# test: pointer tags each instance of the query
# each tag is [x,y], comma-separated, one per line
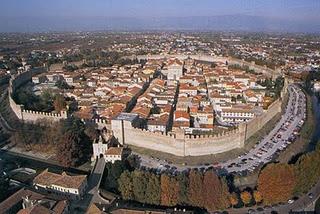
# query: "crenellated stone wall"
[202,57]
[101,123]
[177,143]
[26,115]
[181,144]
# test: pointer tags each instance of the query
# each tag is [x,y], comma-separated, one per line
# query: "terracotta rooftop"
[48,178]
[47,206]
[114,151]
[181,114]
[93,209]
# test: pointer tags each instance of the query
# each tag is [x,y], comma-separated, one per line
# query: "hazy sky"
[14,10]
[299,9]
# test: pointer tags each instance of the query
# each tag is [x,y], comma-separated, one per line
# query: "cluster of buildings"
[51,193]
[166,94]
[293,54]
[212,91]
[165,43]
[100,93]
[235,94]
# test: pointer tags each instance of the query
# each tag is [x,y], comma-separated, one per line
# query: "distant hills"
[202,23]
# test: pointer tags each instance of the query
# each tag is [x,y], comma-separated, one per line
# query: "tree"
[59,103]
[224,194]
[212,191]
[257,197]
[125,183]
[139,181]
[169,190]
[233,198]
[276,183]
[195,188]
[308,171]
[183,188]
[153,190]
[246,197]
[74,146]
[91,131]
[4,186]
[155,110]
[61,84]
[72,105]
[111,175]
[46,101]
[233,99]
[132,162]
[67,149]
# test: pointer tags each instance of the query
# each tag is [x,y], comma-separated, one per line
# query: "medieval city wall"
[223,142]
[261,69]
[26,115]
[258,122]
[194,145]
[181,144]
[155,141]
[177,144]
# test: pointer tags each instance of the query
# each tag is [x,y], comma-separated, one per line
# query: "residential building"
[28,201]
[66,186]
[113,154]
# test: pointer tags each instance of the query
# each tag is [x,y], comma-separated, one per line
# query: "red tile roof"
[47,178]
[114,151]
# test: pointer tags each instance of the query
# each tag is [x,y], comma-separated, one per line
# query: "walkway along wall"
[26,115]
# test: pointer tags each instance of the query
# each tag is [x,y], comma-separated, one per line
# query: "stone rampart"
[181,144]
[26,115]
[178,144]
[202,57]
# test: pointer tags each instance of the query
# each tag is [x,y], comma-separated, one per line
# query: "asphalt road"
[92,192]
[304,203]
[279,137]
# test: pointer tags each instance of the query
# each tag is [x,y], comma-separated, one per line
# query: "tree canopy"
[276,183]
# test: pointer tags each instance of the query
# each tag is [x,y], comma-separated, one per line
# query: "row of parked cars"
[286,131]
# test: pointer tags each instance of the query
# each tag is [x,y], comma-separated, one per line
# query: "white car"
[290,201]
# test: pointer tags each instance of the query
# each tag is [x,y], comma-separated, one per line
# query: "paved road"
[304,203]
[283,134]
[92,195]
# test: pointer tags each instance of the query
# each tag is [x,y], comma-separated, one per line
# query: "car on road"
[251,211]
[260,209]
[290,201]
[310,195]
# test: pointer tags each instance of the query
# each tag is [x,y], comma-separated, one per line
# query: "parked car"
[290,201]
